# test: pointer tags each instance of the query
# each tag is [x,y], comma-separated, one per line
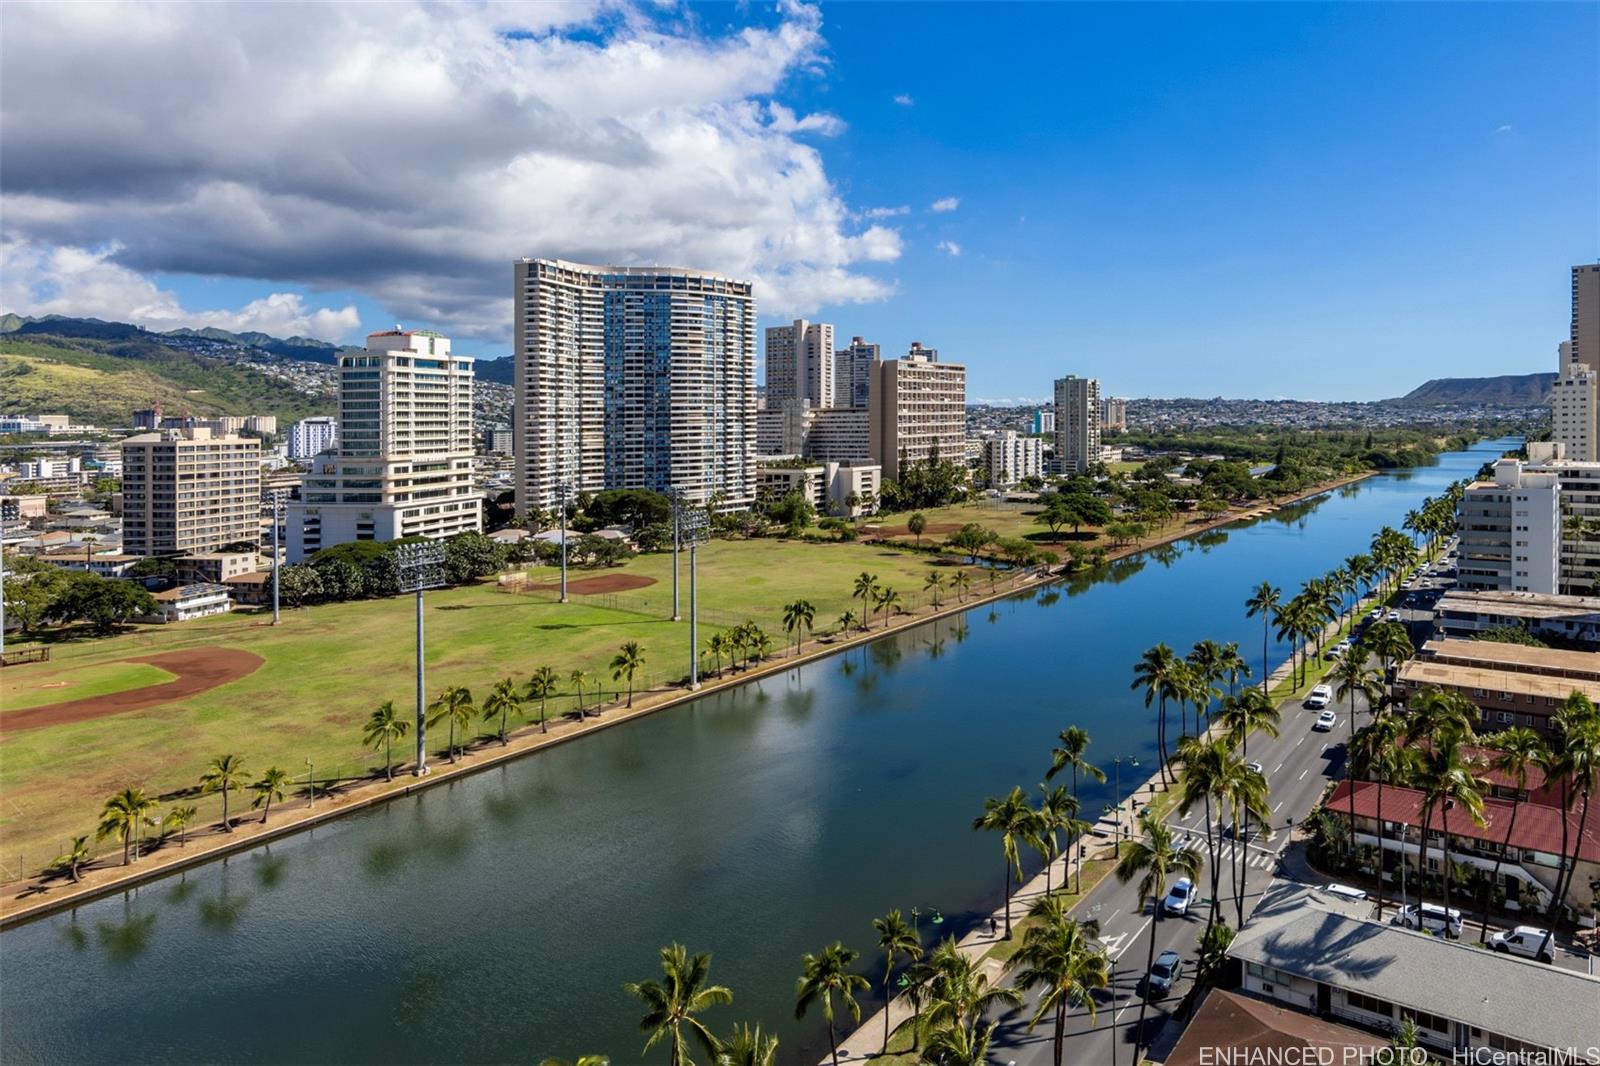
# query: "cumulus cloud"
[65,280]
[947,203]
[904,100]
[950,248]
[411,151]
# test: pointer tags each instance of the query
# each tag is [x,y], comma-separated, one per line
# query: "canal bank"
[756,823]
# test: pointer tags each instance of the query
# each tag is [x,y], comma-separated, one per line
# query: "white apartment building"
[1044,422]
[918,410]
[1010,457]
[844,489]
[852,373]
[829,434]
[800,361]
[1510,531]
[1573,403]
[1077,424]
[312,436]
[49,469]
[403,462]
[633,377]
[186,491]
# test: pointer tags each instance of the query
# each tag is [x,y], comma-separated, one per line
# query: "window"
[1425,1020]
[1370,1004]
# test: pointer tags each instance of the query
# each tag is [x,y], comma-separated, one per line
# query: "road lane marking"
[1275,769]
[1303,774]
[1279,806]
[1299,742]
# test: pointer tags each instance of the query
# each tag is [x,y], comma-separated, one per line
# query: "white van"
[1432,919]
[1320,697]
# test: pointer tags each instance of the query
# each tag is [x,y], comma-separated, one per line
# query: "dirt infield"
[198,670]
[584,586]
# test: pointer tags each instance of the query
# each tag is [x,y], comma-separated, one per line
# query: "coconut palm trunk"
[1494,875]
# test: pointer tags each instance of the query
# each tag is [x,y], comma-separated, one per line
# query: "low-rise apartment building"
[188,602]
[1465,613]
[846,489]
[1510,684]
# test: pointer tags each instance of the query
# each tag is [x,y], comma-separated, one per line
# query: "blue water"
[496,918]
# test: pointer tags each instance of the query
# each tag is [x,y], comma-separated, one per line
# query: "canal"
[496,918]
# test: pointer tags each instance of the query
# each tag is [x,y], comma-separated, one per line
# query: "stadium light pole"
[10,511]
[677,544]
[421,566]
[690,524]
[276,496]
[564,490]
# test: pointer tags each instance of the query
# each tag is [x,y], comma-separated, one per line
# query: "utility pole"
[421,566]
[564,490]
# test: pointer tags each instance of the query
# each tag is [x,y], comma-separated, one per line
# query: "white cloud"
[950,248]
[887,212]
[1504,129]
[904,100]
[948,203]
[410,151]
[65,280]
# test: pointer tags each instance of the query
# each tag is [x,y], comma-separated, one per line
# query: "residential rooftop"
[1516,658]
[1448,675]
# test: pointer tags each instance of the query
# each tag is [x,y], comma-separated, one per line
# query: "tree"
[1204,776]
[103,602]
[719,646]
[1157,672]
[1447,782]
[797,618]
[1251,711]
[1057,813]
[1060,956]
[1575,762]
[865,589]
[270,787]
[934,583]
[1517,752]
[1264,601]
[886,599]
[671,1004]
[626,663]
[578,679]
[225,774]
[1376,752]
[1152,860]
[454,706]
[31,594]
[123,815]
[916,524]
[74,859]
[542,685]
[1355,678]
[502,702]
[299,584]
[747,1045]
[469,556]
[384,726]
[1013,819]
[794,512]
[959,583]
[1074,741]
[957,995]
[972,539]
[178,820]
[895,938]
[823,976]
[846,621]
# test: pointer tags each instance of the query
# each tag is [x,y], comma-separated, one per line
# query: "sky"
[1288,200]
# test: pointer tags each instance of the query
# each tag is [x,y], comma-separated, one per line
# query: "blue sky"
[1323,202]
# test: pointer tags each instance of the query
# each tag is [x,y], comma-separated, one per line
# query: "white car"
[1392,616]
[1527,941]
[1430,918]
[1178,900]
[1320,697]
[1255,768]
[1325,721]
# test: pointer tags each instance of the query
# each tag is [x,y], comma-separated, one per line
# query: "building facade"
[1044,422]
[312,436]
[1113,413]
[186,491]
[403,463]
[1572,412]
[633,377]
[800,362]
[852,373]
[844,489]
[1585,336]
[918,410]
[1077,424]
[1510,531]
[1010,457]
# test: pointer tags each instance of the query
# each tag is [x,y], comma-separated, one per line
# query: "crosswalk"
[1228,851]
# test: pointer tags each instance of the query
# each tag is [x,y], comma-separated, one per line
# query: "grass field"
[327,667]
[1006,519]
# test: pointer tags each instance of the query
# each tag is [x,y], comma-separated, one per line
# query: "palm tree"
[895,938]
[541,686]
[1152,860]
[958,995]
[885,600]
[1157,673]
[1251,711]
[74,858]
[270,787]
[578,679]
[865,589]
[1013,819]
[797,618]
[454,705]
[1264,601]
[225,773]
[1245,791]
[823,976]
[1074,741]
[1206,660]
[718,646]
[1517,752]
[384,726]
[123,815]
[1447,782]
[1204,776]
[502,702]
[959,583]
[671,1004]
[1575,762]
[1233,666]
[1060,956]
[747,1045]
[934,583]
[178,820]
[1355,678]
[846,620]
[1389,642]
[626,663]
[1376,752]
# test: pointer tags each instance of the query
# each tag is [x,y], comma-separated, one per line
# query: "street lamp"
[564,491]
[691,525]
[421,566]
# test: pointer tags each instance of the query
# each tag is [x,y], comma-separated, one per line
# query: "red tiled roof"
[1538,827]
[1230,1022]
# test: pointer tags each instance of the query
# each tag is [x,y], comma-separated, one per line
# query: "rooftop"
[190,592]
[1448,675]
[1526,1000]
[1519,658]
[1228,1021]
[1538,827]
[1523,604]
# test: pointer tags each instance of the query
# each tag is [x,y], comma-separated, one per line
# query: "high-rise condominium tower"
[633,377]
[1573,407]
[800,363]
[852,373]
[1586,316]
[918,410]
[402,465]
[1077,424]
[189,490]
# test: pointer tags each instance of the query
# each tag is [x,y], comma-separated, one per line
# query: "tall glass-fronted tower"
[633,377]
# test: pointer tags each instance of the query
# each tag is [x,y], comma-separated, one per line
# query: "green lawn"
[327,667]
[25,689]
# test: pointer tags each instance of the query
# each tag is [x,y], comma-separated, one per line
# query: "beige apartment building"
[918,410]
[186,491]
[1077,424]
[1586,316]
[800,363]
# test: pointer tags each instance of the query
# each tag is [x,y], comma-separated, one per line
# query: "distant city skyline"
[1298,201]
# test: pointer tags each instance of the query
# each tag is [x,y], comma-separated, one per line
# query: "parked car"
[1430,918]
[1320,697]
[1178,900]
[1166,972]
[1527,941]
[1325,721]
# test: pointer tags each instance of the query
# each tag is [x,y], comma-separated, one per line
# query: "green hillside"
[102,381]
